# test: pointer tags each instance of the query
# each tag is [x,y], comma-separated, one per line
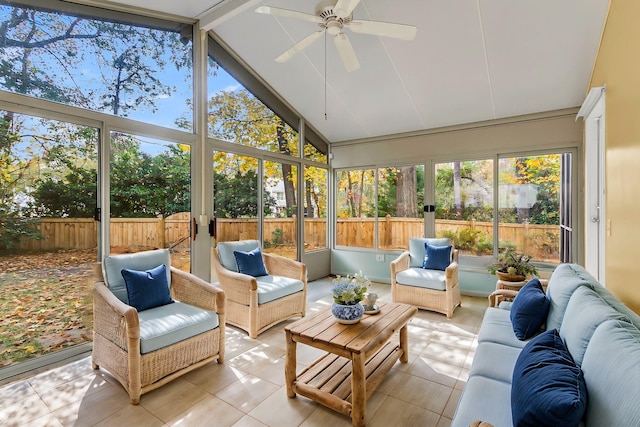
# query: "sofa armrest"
[280,266]
[114,320]
[190,289]
[500,295]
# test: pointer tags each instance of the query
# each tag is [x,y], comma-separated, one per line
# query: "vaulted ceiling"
[471,60]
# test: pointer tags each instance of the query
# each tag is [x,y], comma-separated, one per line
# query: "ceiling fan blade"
[276,11]
[347,54]
[343,8]
[298,47]
[384,29]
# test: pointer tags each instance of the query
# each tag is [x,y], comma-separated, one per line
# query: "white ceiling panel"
[471,60]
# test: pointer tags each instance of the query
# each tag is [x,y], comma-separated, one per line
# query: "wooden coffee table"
[359,356]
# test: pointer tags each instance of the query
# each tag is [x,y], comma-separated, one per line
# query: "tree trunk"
[406,193]
[457,196]
[288,179]
[310,213]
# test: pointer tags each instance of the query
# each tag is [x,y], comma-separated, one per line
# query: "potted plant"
[512,266]
[347,293]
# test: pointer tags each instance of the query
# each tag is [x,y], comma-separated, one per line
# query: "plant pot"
[506,277]
[347,314]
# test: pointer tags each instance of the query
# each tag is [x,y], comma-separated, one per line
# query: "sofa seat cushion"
[271,288]
[496,327]
[484,399]
[611,367]
[169,324]
[585,311]
[547,388]
[423,278]
[495,361]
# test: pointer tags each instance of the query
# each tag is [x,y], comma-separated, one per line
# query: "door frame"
[593,113]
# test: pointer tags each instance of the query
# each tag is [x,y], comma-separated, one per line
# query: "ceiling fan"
[333,17]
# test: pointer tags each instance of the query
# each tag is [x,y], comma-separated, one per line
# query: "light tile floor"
[248,389]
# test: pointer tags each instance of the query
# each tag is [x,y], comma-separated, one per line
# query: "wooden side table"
[359,356]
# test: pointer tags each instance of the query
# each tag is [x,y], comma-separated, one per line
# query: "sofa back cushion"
[585,311]
[565,279]
[611,369]
[141,261]
[225,252]
[436,257]
[417,248]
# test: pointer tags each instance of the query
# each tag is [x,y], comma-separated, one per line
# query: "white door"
[596,222]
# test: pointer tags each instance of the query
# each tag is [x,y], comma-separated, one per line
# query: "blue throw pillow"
[547,388]
[147,289]
[529,310]
[250,263]
[436,257]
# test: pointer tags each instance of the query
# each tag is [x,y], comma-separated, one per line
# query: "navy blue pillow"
[250,263]
[147,289]
[436,257]
[547,388]
[529,310]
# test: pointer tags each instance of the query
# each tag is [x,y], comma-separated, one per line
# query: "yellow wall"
[618,66]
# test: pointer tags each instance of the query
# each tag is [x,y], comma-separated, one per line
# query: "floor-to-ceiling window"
[464,207]
[150,197]
[48,235]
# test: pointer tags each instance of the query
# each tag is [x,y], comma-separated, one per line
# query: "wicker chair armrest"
[113,319]
[280,266]
[399,264]
[500,295]
[190,289]
[451,275]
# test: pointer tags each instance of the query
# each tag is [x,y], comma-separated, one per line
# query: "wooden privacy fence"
[138,233]
[538,241]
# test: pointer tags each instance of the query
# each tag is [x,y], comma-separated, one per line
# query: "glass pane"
[150,197]
[235,115]
[280,209]
[48,237]
[137,71]
[311,152]
[464,206]
[315,208]
[400,201]
[529,203]
[235,194]
[355,208]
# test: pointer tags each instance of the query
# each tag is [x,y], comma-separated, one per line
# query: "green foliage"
[474,241]
[236,196]
[511,262]
[15,228]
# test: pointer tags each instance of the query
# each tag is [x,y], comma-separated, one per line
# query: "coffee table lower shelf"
[328,379]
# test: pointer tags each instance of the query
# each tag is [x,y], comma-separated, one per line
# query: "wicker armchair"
[126,342]
[432,290]
[255,304]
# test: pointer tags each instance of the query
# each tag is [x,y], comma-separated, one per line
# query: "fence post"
[161,233]
[387,231]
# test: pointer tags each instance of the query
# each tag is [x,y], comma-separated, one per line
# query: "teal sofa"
[601,334]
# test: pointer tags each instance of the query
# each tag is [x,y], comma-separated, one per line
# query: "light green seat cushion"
[271,288]
[168,324]
[423,278]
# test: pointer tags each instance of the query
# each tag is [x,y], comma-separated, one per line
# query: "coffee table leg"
[404,340]
[290,365]
[358,390]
